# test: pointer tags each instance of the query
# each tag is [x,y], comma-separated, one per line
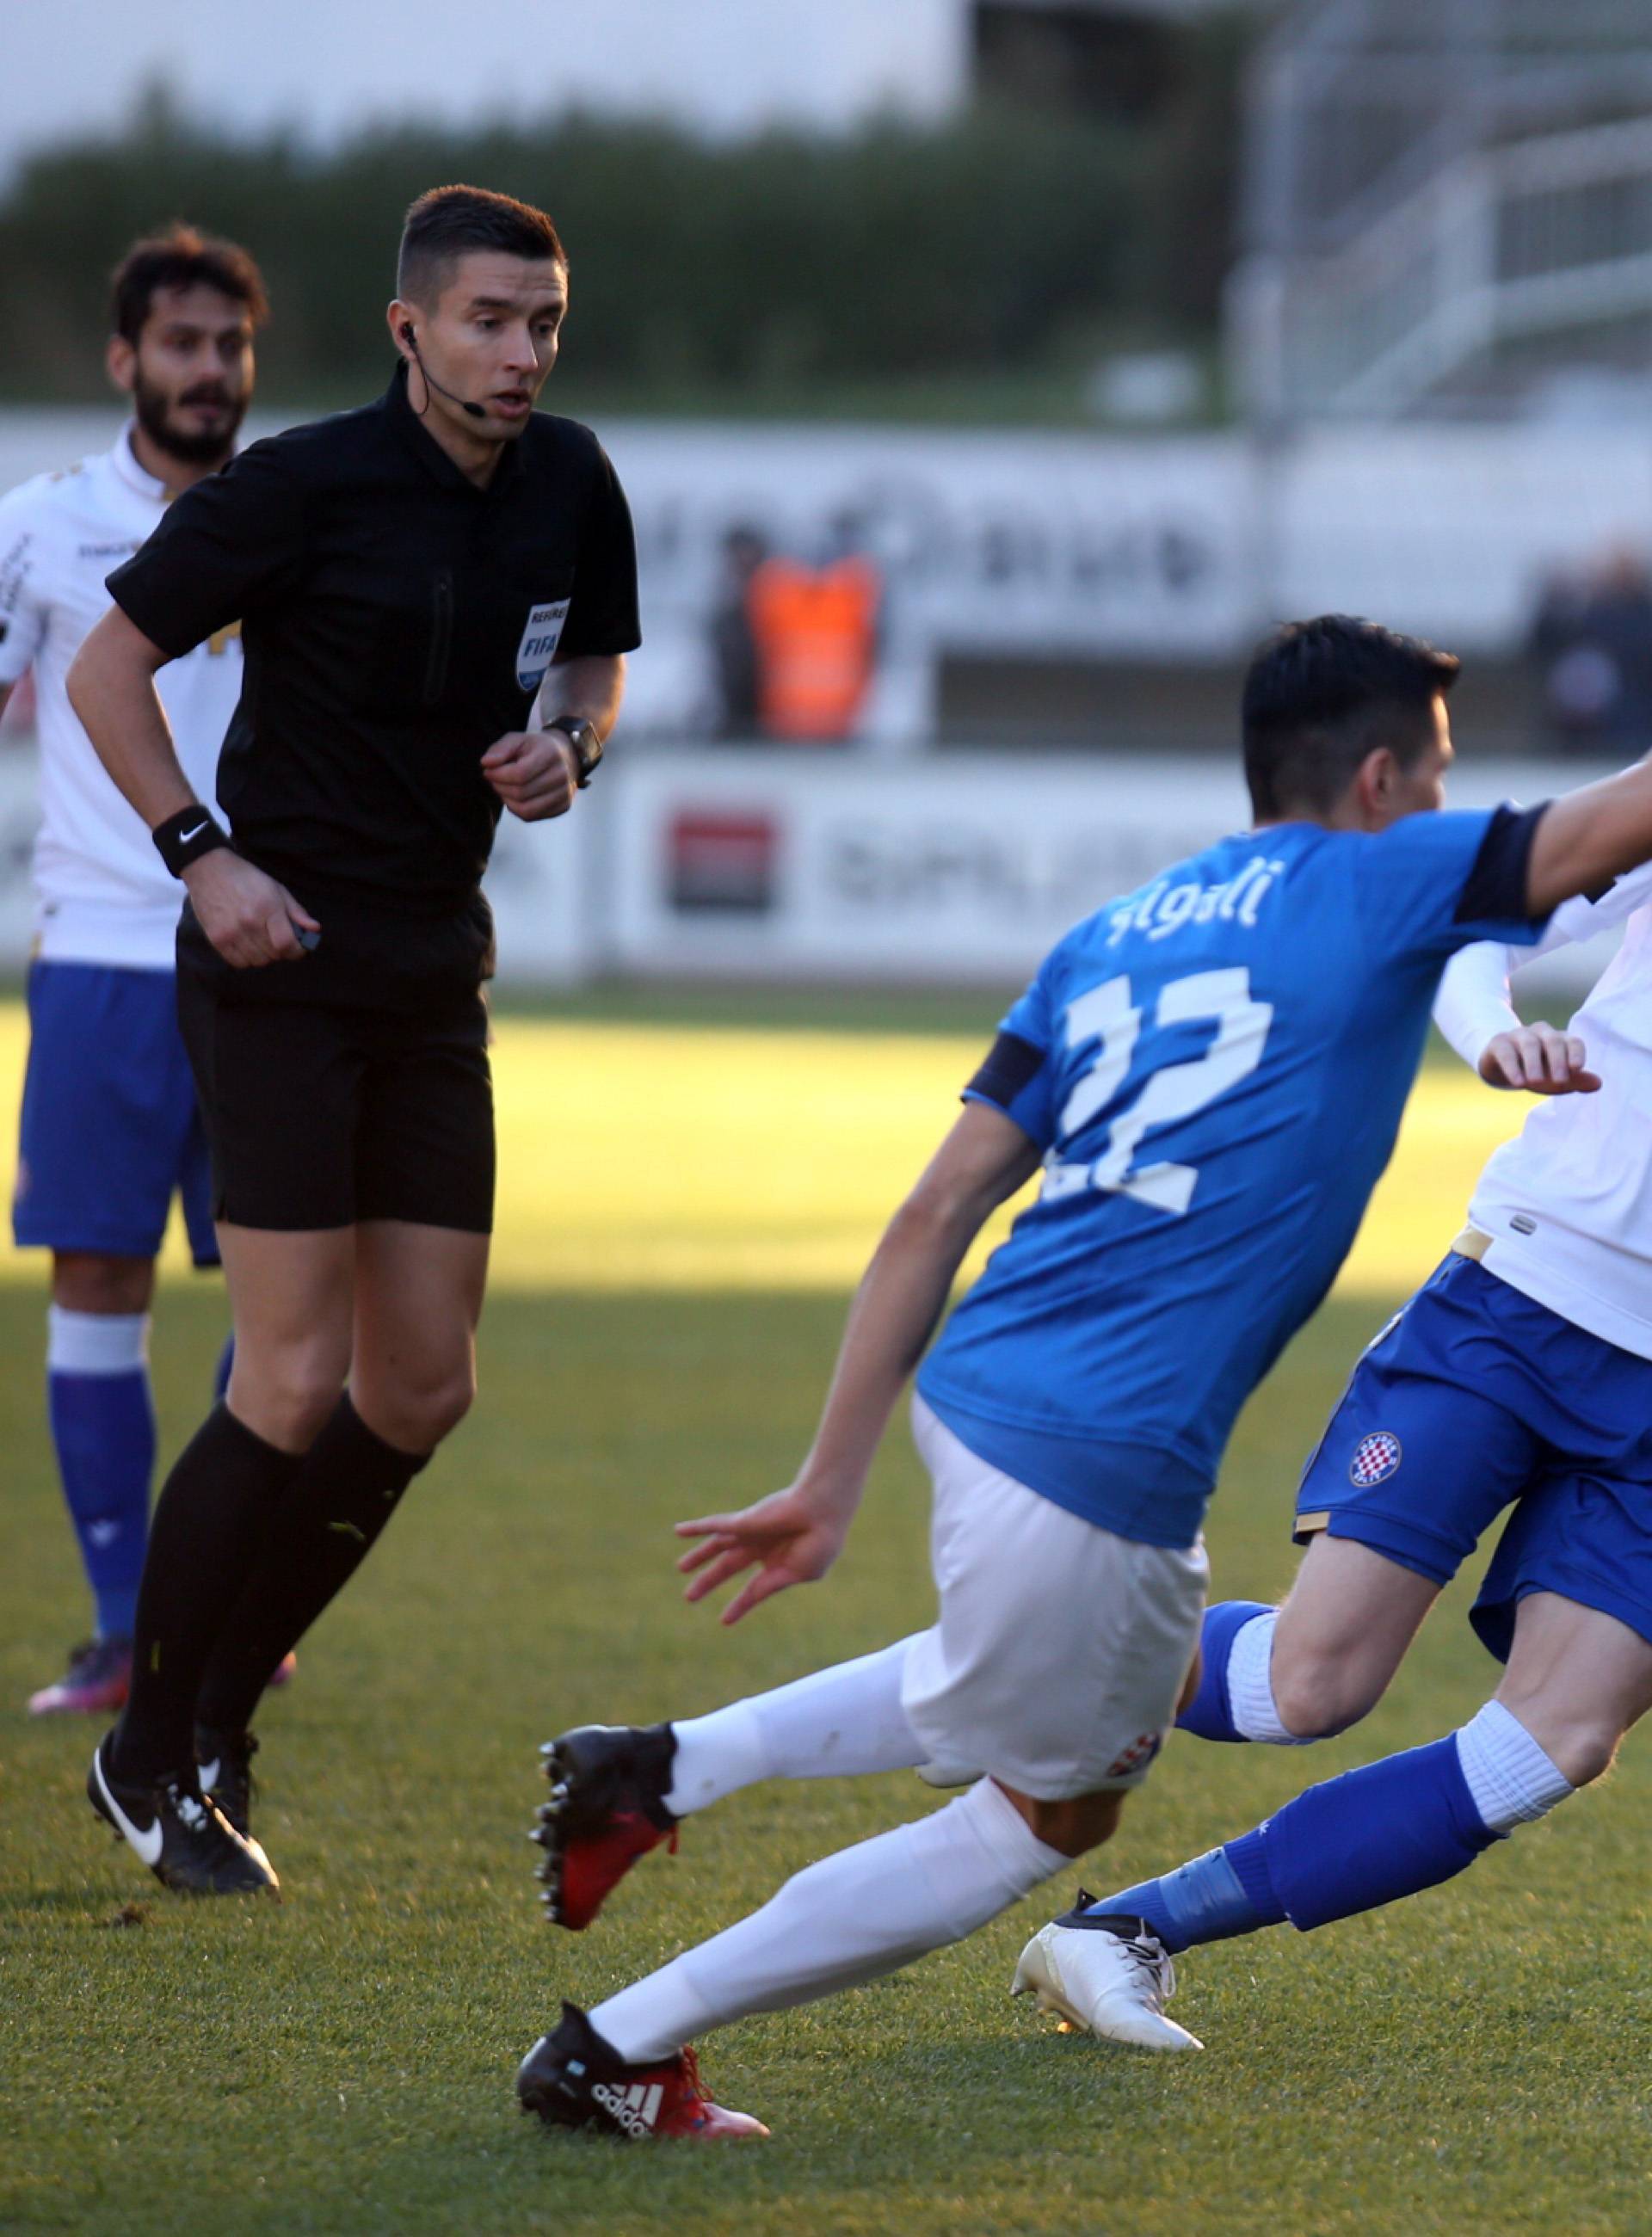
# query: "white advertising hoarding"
[965,866]
[788,865]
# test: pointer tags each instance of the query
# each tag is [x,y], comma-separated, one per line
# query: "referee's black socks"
[346,1489]
[213,1508]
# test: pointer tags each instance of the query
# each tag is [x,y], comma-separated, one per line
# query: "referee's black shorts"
[352,1084]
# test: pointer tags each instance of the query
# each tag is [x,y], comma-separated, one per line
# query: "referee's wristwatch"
[582,736]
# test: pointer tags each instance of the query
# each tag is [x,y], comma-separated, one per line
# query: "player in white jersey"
[1522,1372]
[110,1130]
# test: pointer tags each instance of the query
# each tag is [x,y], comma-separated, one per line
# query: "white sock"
[96,1343]
[835,1724]
[1250,1683]
[864,1911]
[1511,1779]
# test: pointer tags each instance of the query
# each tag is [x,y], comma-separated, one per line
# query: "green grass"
[1475,2061]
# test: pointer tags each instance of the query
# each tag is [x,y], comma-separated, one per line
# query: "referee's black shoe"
[224,1766]
[186,1841]
[607,1808]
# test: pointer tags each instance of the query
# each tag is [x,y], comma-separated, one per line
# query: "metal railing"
[1434,181]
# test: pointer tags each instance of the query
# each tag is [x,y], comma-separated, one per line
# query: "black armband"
[1495,886]
[185,837]
[1009,1064]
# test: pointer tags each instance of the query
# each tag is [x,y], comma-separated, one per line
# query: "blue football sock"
[1210,1714]
[1220,1894]
[226,1361]
[102,1425]
[1388,1829]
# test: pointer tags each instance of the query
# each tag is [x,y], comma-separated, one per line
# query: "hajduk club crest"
[1376,1458]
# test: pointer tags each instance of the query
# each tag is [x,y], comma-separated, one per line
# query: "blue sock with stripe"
[1389,1829]
[102,1426]
[1210,1714]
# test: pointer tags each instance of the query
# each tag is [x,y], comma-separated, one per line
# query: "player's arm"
[1474,1012]
[249,918]
[1587,839]
[795,1536]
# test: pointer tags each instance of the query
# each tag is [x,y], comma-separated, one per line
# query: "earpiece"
[411,340]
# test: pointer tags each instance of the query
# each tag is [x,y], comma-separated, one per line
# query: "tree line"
[999,242]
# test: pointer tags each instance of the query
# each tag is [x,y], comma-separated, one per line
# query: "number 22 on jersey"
[1107,1016]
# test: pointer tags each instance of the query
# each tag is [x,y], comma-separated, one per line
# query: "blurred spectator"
[815,632]
[734,644]
[1591,642]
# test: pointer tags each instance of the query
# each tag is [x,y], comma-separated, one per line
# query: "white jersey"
[103,894]
[1567,1203]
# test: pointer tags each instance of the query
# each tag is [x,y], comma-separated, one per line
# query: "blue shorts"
[1473,1397]
[109,1125]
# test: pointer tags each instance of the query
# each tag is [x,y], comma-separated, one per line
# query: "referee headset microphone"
[411,340]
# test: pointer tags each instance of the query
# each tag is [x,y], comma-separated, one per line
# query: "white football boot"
[1103,1982]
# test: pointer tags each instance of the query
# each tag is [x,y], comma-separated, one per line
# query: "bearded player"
[109,1130]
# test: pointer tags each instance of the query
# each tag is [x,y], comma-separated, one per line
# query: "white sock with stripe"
[864,1911]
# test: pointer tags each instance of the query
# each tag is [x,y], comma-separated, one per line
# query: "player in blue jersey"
[1520,1373]
[1211,1073]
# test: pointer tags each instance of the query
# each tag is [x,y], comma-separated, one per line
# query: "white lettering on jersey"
[1176,1091]
[1164,908]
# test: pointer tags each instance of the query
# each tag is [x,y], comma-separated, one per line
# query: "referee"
[407,576]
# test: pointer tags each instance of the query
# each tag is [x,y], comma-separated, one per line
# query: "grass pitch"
[1472,2061]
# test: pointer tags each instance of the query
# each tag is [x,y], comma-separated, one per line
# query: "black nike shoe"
[223,1764]
[574,2079]
[607,1808]
[186,1843]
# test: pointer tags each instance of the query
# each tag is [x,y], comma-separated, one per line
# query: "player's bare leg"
[1343,1628]
[1319,1661]
[1577,1681]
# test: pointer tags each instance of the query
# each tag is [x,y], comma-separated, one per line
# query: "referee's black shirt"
[395,620]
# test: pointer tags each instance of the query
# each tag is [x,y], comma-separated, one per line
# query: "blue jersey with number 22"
[1215,1068]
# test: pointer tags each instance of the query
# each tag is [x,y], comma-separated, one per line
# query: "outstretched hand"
[788,1538]
[1540,1058]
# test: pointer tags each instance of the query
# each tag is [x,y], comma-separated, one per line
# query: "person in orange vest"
[816,629]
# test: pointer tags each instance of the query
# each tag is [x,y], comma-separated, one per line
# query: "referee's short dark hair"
[448,222]
[1321,694]
[182,257]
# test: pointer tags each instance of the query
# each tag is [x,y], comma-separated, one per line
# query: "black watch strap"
[185,837]
[582,736]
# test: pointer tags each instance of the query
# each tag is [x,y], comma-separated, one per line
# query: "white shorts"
[1061,1649]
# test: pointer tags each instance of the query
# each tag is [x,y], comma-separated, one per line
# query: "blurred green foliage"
[1006,243]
